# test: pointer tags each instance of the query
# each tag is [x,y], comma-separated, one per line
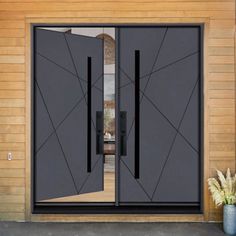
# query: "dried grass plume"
[223,190]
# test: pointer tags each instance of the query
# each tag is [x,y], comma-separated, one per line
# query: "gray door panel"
[61,114]
[158,134]
[53,177]
[129,187]
[47,76]
[52,46]
[179,42]
[145,38]
[170,88]
[91,183]
[74,143]
[179,181]
[43,121]
[169,130]
[127,104]
[191,120]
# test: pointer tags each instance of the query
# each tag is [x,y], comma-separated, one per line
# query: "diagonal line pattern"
[170,64]
[76,104]
[67,164]
[154,105]
[63,68]
[71,56]
[166,118]
[172,144]
[152,68]
[163,67]
[67,115]
[144,95]
[86,179]
[150,74]
[136,180]
[155,61]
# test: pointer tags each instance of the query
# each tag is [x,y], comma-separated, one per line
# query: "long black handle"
[89,112]
[137,115]
[123,135]
[99,132]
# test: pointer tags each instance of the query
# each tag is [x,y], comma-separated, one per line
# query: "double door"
[158,116]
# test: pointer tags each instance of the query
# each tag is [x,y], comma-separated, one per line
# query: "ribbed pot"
[229,219]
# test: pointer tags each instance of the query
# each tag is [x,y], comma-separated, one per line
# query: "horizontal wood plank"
[12,59]
[222,128]
[11,190]
[12,103]
[12,41]
[16,182]
[219,85]
[12,129]
[17,155]
[125,6]
[12,50]
[10,172]
[222,111]
[12,67]
[12,120]
[12,207]
[221,51]
[13,216]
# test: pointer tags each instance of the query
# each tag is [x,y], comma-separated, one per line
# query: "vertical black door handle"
[123,134]
[137,115]
[99,132]
[89,113]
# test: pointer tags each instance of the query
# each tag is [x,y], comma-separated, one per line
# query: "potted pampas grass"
[224,193]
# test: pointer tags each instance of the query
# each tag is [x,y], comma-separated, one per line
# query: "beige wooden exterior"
[15,82]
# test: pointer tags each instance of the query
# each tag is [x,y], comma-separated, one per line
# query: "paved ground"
[110,229]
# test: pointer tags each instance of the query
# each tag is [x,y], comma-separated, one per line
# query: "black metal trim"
[117,25]
[112,208]
[70,208]
[201,114]
[117,120]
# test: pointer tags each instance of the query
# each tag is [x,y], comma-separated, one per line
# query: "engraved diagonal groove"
[63,68]
[179,60]
[168,155]
[86,179]
[172,63]
[150,74]
[67,164]
[137,180]
[66,116]
[71,56]
[163,67]
[154,105]
[155,61]
[166,118]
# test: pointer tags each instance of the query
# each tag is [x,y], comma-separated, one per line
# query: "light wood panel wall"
[219,79]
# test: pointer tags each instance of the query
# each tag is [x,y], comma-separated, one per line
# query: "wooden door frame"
[115,217]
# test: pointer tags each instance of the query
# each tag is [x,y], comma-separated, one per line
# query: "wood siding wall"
[220,56]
